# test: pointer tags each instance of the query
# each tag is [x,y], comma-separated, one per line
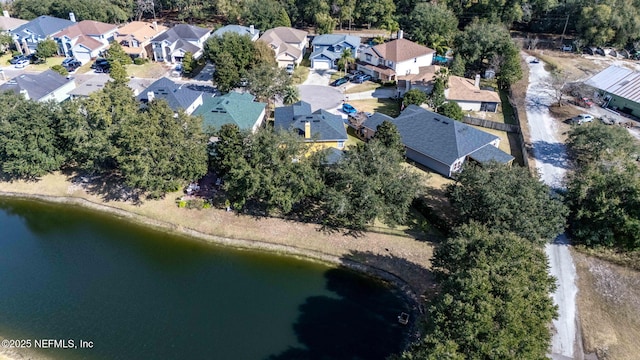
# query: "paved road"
[551,161]
[321,97]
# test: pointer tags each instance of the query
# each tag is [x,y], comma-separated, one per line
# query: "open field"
[609,308]
[385,106]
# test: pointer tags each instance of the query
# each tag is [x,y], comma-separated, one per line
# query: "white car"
[582,118]
[22,64]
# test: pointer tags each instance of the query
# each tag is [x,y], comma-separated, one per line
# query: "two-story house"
[135,38]
[328,48]
[390,60]
[171,45]
[27,36]
[85,40]
[7,23]
[288,44]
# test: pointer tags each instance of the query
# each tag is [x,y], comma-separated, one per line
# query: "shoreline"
[378,264]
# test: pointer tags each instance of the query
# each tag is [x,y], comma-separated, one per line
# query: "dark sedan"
[340,81]
[361,78]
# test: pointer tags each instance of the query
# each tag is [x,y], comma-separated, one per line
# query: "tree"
[27,138]
[558,82]
[451,110]
[346,11]
[375,12]
[493,300]
[457,67]
[144,7]
[5,42]
[226,76]
[265,14]
[290,95]
[228,149]
[233,55]
[263,54]
[509,70]
[434,25]
[47,48]
[414,97]
[594,24]
[346,58]
[325,24]
[116,53]
[118,73]
[268,81]
[436,98]
[368,183]
[389,136]
[60,70]
[188,63]
[598,142]
[507,199]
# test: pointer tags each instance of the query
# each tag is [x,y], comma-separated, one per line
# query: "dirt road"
[551,161]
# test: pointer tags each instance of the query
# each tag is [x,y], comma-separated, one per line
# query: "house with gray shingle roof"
[328,48]
[250,31]
[45,86]
[319,127]
[171,45]
[38,29]
[232,108]
[620,88]
[443,144]
[178,96]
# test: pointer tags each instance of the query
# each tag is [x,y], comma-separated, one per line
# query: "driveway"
[321,97]
[206,74]
[551,162]
[319,77]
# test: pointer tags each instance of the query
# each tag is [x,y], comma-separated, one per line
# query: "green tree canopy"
[414,97]
[493,300]
[47,48]
[388,135]
[507,199]
[433,25]
[116,53]
[451,110]
[268,81]
[598,142]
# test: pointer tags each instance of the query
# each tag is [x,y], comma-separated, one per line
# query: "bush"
[60,70]
[140,61]
[182,203]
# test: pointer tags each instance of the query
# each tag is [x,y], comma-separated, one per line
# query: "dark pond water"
[70,274]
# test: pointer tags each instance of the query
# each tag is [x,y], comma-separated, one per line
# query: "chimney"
[252,29]
[477,83]
[150,96]
[72,17]
[400,34]
[307,130]
[5,13]
[155,26]
[24,93]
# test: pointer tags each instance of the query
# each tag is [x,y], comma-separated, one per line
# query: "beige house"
[289,44]
[467,93]
[135,38]
[390,60]
[7,23]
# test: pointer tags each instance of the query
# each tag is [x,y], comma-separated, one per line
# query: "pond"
[129,292]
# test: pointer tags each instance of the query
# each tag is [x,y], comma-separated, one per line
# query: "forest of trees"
[434,23]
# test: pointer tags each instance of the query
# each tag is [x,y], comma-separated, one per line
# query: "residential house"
[178,96]
[443,144]
[7,23]
[328,48]
[135,38]
[95,83]
[171,45]
[45,86]
[620,89]
[85,40]
[250,31]
[322,128]
[288,44]
[28,35]
[232,108]
[392,60]
[467,93]
[368,127]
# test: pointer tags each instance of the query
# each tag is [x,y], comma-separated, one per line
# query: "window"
[415,60]
[368,57]
[340,144]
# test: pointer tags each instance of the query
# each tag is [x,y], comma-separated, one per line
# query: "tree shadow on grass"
[361,320]
[108,187]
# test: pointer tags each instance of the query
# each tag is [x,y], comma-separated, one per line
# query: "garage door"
[321,65]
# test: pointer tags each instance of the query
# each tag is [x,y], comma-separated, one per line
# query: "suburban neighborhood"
[474,160]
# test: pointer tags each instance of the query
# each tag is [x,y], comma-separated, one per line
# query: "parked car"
[340,81]
[290,69]
[567,47]
[72,66]
[34,59]
[354,74]
[582,118]
[535,61]
[22,64]
[100,63]
[347,108]
[361,78]
[14,60]
[585,102]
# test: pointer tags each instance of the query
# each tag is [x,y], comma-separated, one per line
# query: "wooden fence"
[491,124]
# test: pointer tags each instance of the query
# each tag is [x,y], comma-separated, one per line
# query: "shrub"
[140,61]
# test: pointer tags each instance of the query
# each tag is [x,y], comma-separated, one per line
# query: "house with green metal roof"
[232,108]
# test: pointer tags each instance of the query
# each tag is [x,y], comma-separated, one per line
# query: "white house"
[171,45]
[328,48]
[393,59]
[28,35]
[289,44]
[85,40]
[44,86]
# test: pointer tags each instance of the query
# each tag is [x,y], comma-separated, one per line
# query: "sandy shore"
[402,261]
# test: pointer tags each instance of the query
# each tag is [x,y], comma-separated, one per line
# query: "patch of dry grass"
[150,70]
[365,86]
[504,138]
[300,74]
[385,106]
[609,308]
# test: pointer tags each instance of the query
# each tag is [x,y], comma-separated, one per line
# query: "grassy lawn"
[148,70]
[52,61]
[504,139]
[385,106]
[336,75]
[300,74]
[4,59]
[366,86]
[353,140]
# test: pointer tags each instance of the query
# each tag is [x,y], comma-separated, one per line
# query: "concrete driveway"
[319,77]
[321,97]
